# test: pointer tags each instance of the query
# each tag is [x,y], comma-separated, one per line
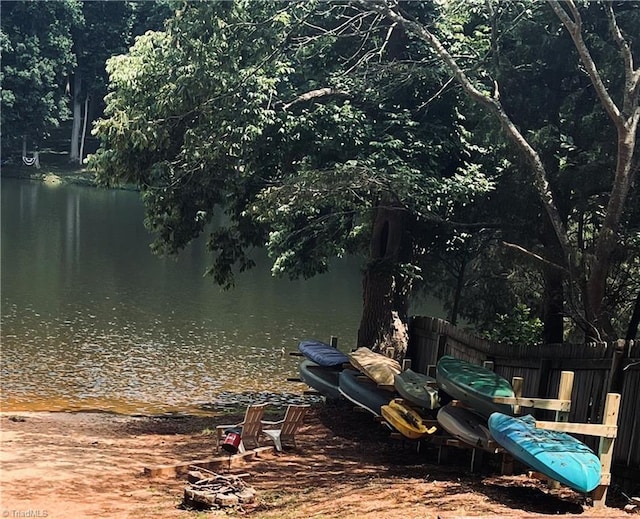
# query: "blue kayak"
[322,354]
[554,454]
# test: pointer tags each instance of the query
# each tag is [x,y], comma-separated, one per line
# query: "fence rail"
[540,366]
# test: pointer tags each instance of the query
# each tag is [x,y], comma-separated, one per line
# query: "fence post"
[605,450]
[564,393]
[516,384]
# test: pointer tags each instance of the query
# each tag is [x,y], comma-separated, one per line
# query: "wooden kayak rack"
[607,430]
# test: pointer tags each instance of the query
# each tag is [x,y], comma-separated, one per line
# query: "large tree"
[581,159]
[318,130]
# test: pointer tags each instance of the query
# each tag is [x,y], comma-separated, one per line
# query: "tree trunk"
[385,292]
[457,296]
[553,310]
[84,129]
[608,240]
[553,302]
[632,331]
[74,151]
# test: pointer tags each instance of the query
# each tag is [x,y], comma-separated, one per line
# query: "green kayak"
[473,385]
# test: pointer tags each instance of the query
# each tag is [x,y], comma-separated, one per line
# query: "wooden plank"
[564,393]
[219,462]
[550,404]
[516,384]
[296,354]
[605,449]
[605,479]
[590,429]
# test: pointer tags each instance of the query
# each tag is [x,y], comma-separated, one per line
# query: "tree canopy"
[37,59]
[322,129]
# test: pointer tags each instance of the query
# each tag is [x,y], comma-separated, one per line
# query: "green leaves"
[36,60]
[278,115]
[517,327]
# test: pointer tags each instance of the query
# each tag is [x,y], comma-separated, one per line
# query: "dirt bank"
[76,465]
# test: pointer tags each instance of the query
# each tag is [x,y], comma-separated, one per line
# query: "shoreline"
[54,176]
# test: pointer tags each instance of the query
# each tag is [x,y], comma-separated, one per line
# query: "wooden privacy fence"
[541,366]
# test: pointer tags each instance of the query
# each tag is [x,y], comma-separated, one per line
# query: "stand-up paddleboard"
[473,385]
[322,379]
[554,454]
[322,353]
[376,366]
[405,420]
[364,393]
[467,427]
[417,388]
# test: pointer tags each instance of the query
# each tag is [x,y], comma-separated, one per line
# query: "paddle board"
[405,420]
[322,353]
[417,388]
[322,379]
[554,454]
[466,426]
[376,366]
[473,385]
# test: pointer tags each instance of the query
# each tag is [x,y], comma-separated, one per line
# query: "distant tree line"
[53,63]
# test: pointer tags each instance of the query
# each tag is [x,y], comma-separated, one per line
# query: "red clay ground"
[75,465]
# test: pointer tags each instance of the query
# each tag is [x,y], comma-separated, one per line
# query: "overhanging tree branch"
[535,256]
[492,103]
[626,123]
[315,94]
[574,27]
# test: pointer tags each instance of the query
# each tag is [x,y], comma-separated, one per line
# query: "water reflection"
[92,320]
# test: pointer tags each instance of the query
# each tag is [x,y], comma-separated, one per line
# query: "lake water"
[91,320]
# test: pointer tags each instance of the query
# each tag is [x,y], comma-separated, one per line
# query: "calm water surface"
[92,320]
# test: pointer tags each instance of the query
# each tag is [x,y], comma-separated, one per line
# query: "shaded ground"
[91,465]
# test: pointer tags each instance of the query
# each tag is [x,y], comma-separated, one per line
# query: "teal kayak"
[473,385]
[554,454]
